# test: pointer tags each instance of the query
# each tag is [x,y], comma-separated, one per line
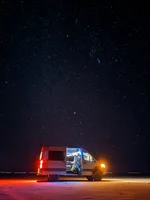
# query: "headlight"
[102,165]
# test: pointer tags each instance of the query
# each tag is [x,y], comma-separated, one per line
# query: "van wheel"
[52,178]
[89,178]
[97,175]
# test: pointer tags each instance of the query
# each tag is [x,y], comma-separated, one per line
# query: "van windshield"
[56,155]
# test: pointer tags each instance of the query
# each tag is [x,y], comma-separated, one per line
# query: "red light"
[41,164]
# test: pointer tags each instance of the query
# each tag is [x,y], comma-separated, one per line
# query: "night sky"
[75,73]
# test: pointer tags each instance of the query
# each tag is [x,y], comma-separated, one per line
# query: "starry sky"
[75,73]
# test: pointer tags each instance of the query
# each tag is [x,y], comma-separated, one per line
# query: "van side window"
[88,157]
[56,155]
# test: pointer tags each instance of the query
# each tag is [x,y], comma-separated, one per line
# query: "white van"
[65,161]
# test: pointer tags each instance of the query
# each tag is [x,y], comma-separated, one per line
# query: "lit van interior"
[74,155]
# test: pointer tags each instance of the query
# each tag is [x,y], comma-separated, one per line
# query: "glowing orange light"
[103,165]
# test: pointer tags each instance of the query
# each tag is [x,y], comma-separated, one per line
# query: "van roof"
[48,146]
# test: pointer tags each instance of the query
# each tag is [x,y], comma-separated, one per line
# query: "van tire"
[97,175]
[52,178]
[89,178]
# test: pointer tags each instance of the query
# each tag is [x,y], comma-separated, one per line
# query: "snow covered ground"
[108,189]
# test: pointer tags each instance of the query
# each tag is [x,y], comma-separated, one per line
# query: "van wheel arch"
[53,178]
[89,178]
[97,174]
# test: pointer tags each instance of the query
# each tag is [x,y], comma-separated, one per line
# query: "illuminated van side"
[56,161]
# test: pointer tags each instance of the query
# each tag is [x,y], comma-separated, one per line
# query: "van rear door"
[56,162]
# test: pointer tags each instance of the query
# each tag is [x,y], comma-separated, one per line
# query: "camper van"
[57,161]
